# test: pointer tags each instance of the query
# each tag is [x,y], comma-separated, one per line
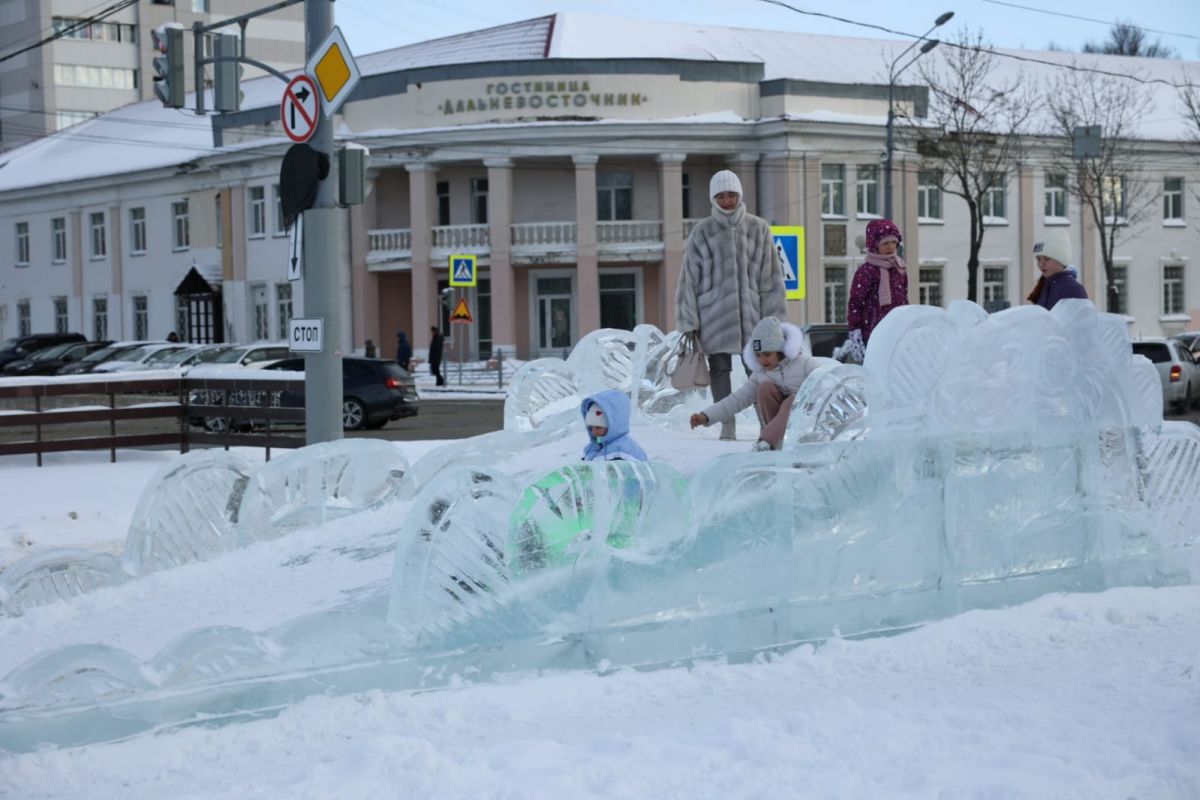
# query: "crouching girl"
[778,365]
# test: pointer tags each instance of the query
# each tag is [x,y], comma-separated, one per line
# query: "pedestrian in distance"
[606,417]
[1058,279]
[880,284]
[778,366]
[172,337]
[730,280]
[403,351]
[435,355]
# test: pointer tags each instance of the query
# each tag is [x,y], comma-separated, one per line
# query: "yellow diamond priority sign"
[333,68]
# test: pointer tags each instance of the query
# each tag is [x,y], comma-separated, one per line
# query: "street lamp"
[894,73]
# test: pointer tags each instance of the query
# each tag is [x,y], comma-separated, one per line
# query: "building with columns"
[571,155]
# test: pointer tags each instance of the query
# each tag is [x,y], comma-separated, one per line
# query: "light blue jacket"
[617,443]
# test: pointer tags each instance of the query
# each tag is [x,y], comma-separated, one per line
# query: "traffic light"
[227,75]
[168,66]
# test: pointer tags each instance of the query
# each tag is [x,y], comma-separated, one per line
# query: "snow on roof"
[144,135]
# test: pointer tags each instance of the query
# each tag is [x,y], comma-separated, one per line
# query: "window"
[867,190]
[687,195]
[443,202]
[283,309]
[280,228]
[262,321]
[24,322]
[833,190]
[1120,281]
[1172,198]
[1172,289]
[62,320]
[994,198]
[930,287]
[22,244]
[479,192]
[1056,196]
[99,318]
[141,317]
[200,6]
[995,291]
[137,230]
[258,211]
[99,247]
[614,196]
[929,195]
[80,28]
[58,239]
[835,294]
[1112,197]
[618,301]
[90,77]
[483,318]
[181,237]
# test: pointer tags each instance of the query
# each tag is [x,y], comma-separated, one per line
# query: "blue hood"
[617,442]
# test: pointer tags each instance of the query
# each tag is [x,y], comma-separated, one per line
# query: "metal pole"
[887,166]
[322,371]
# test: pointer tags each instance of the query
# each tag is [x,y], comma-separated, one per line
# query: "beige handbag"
[690,370]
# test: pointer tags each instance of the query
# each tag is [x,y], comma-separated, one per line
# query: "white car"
[137,358]
[1178,369]
[249,355]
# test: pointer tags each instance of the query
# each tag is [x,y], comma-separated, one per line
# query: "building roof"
[144,136]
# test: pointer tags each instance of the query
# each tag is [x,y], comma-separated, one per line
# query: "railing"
[629,232]
[389,244]
[58,416]
[544,235]
[458,238]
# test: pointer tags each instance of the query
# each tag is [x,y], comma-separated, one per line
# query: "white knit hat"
[595,417]
[1054,244]
[767,337]
[724,181]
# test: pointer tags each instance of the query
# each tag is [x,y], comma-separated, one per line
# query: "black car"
[374,391]
[20,347]
[52,359]
[822,338]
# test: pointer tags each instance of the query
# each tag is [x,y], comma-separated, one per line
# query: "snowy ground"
[1088,696]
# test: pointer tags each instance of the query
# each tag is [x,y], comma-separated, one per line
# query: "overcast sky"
[370,26]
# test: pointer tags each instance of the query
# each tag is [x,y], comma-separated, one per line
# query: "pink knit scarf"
[886,263]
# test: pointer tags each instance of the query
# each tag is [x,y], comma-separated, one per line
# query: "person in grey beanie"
[778,366]
[730,280]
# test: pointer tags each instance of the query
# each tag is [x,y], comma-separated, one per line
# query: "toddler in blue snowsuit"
[606,417]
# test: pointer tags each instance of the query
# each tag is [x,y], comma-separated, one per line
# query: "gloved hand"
[852,351]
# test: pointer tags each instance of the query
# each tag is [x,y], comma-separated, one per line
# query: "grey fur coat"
[731,278]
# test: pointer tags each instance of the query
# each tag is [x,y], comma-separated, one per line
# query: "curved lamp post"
[893,73]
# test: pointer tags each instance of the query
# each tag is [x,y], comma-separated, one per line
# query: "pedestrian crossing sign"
[789,246]
[462,270]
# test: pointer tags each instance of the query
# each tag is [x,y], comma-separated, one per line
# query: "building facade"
[96,66]
[573,178]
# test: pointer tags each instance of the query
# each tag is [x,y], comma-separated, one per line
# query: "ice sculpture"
[320,483]
[973,461]
[189,511]
[56,575]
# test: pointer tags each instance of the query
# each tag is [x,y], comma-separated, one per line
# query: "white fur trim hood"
[793,345]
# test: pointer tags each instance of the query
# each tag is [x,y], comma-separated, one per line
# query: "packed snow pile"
[973,461]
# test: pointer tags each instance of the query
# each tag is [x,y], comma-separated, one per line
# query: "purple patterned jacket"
[863,311]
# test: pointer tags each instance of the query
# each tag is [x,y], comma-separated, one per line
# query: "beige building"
[571,155]
[101,65]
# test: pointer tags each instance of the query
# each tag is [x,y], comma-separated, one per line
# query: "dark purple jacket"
[1060,286]
[862,309]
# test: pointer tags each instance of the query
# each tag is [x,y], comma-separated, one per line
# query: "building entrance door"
[553,305]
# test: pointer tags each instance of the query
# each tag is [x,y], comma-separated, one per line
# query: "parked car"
[1178,369]
[137,358]
[1190,340]
[19,347]
[52,359]
[98,357]
[821,339]
[190,356]
[374,391]
[251,355]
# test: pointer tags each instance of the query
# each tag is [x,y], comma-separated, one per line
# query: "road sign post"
[463,270]
[322,369]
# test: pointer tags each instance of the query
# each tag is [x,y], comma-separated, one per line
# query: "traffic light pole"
[323,370]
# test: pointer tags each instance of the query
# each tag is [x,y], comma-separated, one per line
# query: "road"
[443,419]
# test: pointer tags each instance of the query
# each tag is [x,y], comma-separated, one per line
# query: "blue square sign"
[789,245]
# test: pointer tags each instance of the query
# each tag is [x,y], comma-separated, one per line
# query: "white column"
[670,181]
[500,200]
[587,297]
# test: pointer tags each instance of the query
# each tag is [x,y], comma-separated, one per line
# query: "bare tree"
[1111,185]
[973,134]
[1127,39]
